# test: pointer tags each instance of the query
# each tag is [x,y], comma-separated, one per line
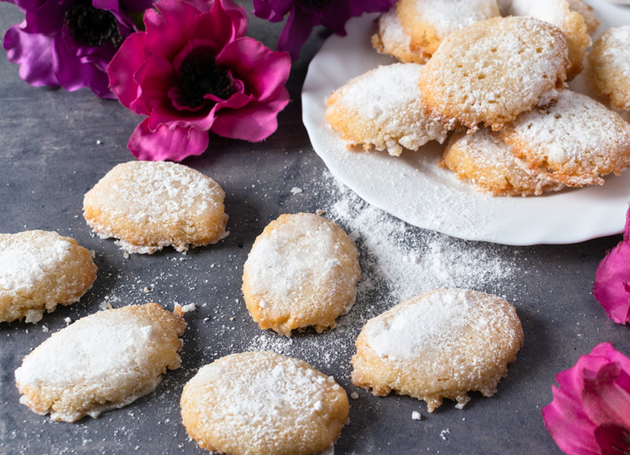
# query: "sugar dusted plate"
[414,189]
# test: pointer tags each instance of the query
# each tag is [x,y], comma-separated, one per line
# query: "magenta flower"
[590,412]
[194,71]
[68,43]
[304,15]
[612,280]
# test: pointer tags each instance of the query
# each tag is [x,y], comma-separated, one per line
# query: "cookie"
[148,205]
[391,39]
[40,270]
[572,24]
[428,22]
[383,109]
[490,165]
[302,271]
[493,70]
[439,345]
[575,142]
[609,66]
[101,362]
[261,403]
[587,12]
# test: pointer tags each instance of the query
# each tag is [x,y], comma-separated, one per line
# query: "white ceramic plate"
[414,189]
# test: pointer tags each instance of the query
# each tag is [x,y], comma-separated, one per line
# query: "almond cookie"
[558,13]
[148,205]
[490,165]
[574,142]
[383,109]
[261,403]
[391,39]
[302,271]
[101,362]
[439,345]
[609,66]
[428,22]
[493,70]
[40,270]
[587,12]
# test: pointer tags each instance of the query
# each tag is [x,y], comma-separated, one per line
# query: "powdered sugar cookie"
[428,22]
[609,66]
[587,12]
[493,70]
[383,108]
[491,166]
[40,270]
[101,362]
[149,205]
[558,13]
[439,345]
[302,271]
[574,142]
[261,403]
[391,39]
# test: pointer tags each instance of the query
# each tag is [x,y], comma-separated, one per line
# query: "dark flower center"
[199,75]
[314,4]
[92,26]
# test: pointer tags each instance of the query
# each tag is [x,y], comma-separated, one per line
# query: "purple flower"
[590,411]
[194,71]
[69,43]
[304,15]
[612,279]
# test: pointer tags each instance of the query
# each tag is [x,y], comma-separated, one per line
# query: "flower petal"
[216,27]
[612,278]
[606,395]
[296,31]
[272,10]
[168,28]
[155,78]
[123,66]
[252,123]
[166,143]
[263,71]
[33,52]
[73,74]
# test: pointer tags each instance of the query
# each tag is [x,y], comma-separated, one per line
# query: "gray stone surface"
[55,145]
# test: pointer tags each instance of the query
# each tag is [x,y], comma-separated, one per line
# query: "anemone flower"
[590,411]
[69,43]
[612,280]
[193,71]
[304,15]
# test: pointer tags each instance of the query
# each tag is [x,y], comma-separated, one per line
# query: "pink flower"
[612,280]
[590,412]
[193,71]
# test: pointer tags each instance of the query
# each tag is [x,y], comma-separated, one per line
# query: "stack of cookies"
[494,73]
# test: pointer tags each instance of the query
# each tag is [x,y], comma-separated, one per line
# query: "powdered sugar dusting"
[447,16]
[24,261]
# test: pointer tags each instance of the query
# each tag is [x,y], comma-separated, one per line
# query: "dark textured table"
[56,145]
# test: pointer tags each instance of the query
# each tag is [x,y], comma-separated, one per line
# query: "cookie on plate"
[40,270]
[609,66]
[100,362]
[428,22]
[391,39]
[575,142]
[261,403]
[572,24]
[490,165]
[148,205]
[383,109]
[493,70]
[302,271]
[587,12]
[439,345]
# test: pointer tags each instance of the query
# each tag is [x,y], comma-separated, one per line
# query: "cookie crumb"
[415,415]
